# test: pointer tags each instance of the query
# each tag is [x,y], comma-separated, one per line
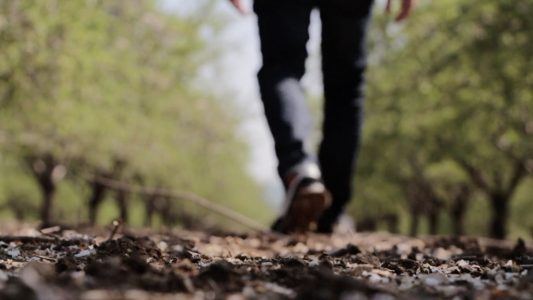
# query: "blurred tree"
[454,87]
[108,88]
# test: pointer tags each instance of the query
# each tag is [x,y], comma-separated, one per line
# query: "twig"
[50,259]
[51,232]
[116,225]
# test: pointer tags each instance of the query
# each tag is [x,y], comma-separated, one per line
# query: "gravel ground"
[141,264]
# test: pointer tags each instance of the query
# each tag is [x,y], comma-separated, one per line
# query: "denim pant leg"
[283,31]
[344,30]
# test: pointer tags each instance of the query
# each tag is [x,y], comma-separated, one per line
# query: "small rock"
[463,264]
[350,249]
[85,253]
[162,246]
[13,252]
[442,254]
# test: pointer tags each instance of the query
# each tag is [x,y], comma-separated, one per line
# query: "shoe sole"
[305,210]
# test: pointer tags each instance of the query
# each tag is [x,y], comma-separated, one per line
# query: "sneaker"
[306,200]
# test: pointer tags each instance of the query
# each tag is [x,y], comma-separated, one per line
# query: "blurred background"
[162,95]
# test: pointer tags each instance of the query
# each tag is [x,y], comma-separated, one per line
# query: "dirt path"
[85,264]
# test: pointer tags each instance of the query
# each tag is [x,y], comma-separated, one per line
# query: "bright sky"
[239,68]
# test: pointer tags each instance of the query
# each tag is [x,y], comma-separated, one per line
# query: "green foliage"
[98,83]
[450,103]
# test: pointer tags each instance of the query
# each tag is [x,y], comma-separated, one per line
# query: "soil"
[141,264]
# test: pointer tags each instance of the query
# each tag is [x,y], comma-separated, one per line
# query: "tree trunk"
[458,219]
[47,172]
[167,212]
[97,196]
[392,223]
[150,207]
[500,214]
[433,220]
[122,202]
[415,217]
[366,224]
[458,211]
[48,190]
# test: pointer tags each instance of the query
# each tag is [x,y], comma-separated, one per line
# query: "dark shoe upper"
[306,200]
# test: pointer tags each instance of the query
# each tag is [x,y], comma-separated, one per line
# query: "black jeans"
[284,32]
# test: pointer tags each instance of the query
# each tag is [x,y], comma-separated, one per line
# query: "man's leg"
[344,30]
[283,30]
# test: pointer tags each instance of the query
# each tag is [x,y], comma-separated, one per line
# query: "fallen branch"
[188,196]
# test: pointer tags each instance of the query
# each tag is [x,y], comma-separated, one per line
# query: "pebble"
[13,252]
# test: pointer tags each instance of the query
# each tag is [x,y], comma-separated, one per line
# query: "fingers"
[239,6]
[387,7]
[405,10]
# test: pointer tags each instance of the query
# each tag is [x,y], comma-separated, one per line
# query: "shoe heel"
[305,210]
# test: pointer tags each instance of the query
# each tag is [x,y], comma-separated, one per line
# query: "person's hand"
[404,11]
[239,6]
